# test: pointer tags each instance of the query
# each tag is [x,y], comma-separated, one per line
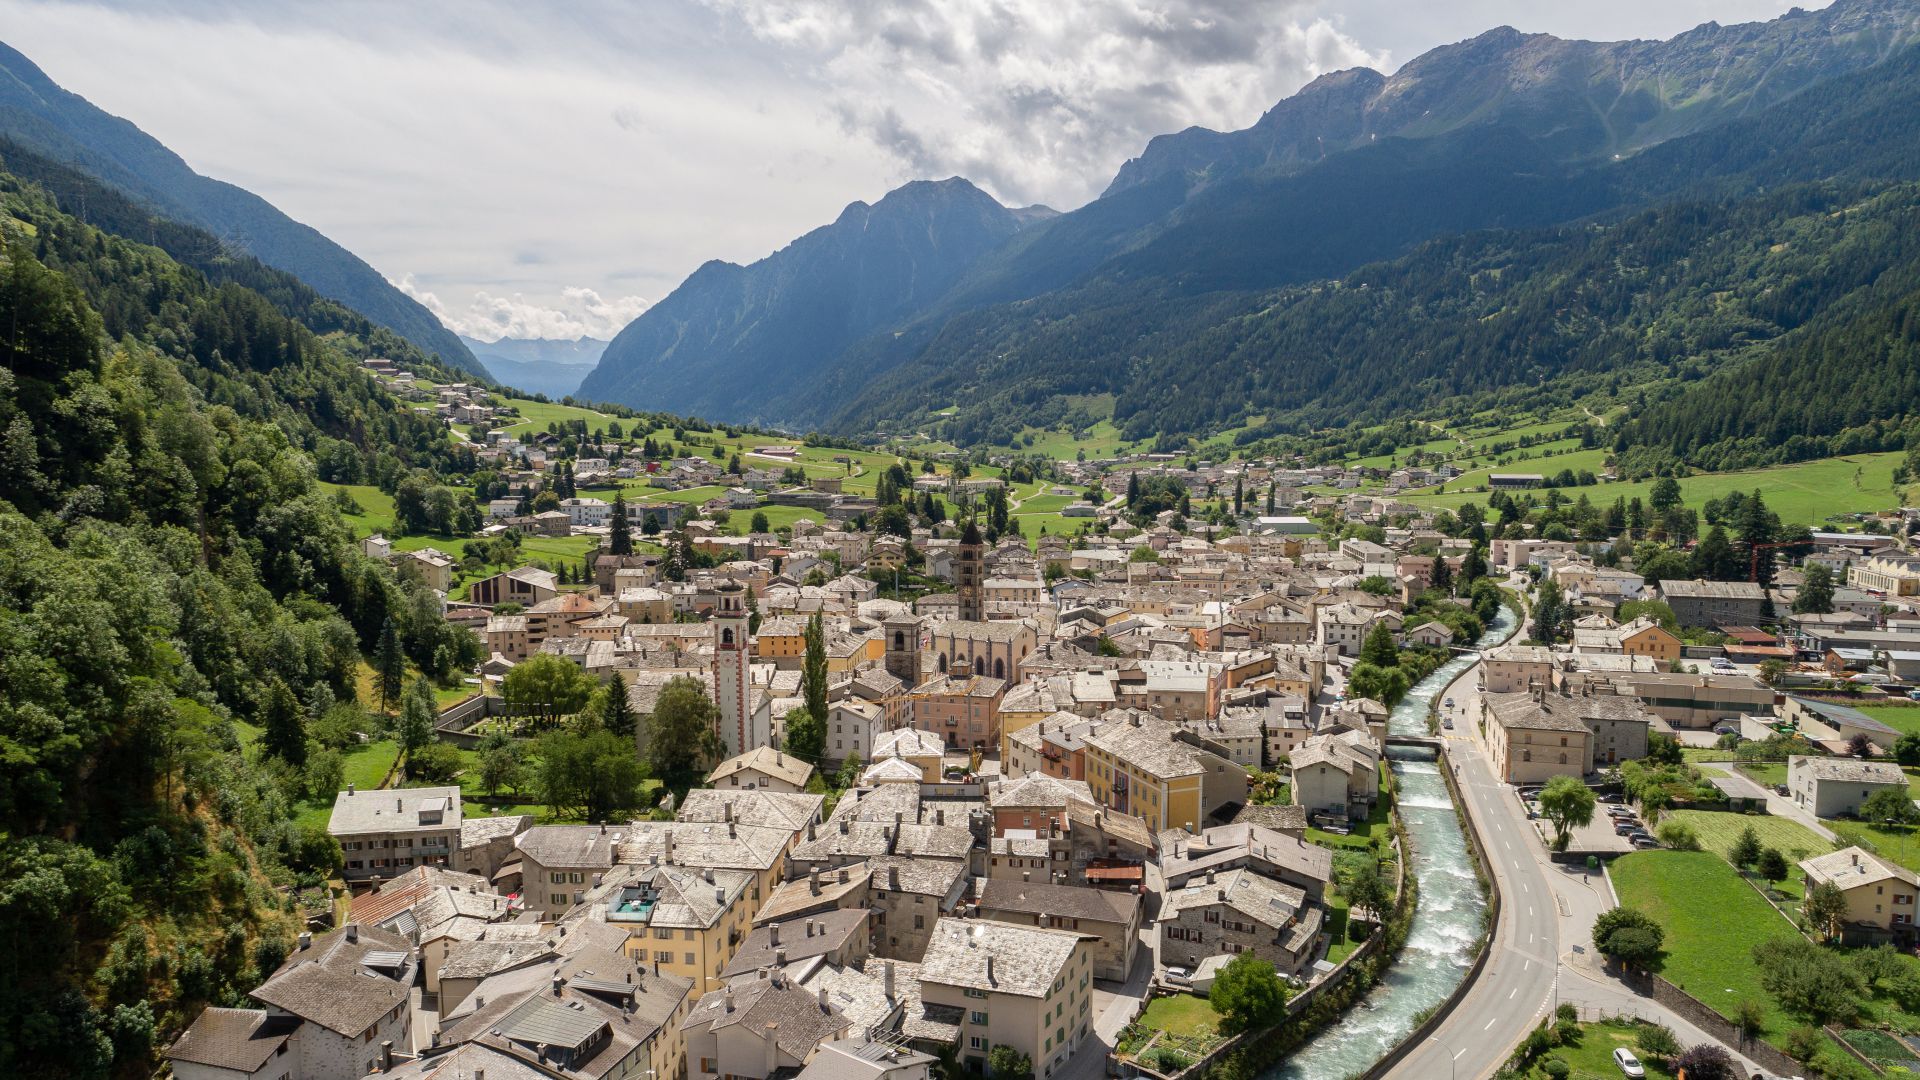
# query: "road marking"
[1527,966]
[1457,1053]
[1514,993]
[1489,1023]
[1523,887]
[1529,911]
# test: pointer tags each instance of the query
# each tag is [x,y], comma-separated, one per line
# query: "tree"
[1663,749]
[1630,937]
[1808,980]
[1772,866]
[619,529]
[1006,1063]
[548,686]
[1248,994]
[1816,591]
[1746,848]
[1890,806]
[614,710]
[1383,684]
[682,730]
[1656,1041]
[1442,574]
[594,776]
[1678,835]
[285,734]
[758,523]
[502,766]
[1473,565]
[1714,558]
[1906,749]
[1665,495]
[1706,1062]
[1548,613]
[1750,1018]
[1366,888]
[417,716]
[1772,670]
[804,736]
[389,667]
[1379,648]
[813,671]
[1567,803]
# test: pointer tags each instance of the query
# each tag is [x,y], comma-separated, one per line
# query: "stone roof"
[767,761]
[394,810]
[924,877]
[1852,867]
[1282,819]
[793,898]
[997,957]
[907,742]
[1260,898]
[466,1061]
[1712,590]
[1070,901]
[1225,845]
[790,810]
[478,831]
[327,983]
[800,1022]
[993,630]
[590,846]
[238,1039]
[1847,770]
[791,940]
[1039,789]
[720,845]
[1147,744]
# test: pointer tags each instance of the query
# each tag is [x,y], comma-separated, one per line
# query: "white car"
[1178,975]
[1629,1064]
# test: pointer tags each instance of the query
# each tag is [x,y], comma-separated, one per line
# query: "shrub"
[1678,835]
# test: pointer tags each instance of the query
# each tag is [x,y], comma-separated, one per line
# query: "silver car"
[1629,1064]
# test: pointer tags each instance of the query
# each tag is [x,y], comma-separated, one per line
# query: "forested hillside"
[173,583]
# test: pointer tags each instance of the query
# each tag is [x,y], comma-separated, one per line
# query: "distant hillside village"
[1052,776]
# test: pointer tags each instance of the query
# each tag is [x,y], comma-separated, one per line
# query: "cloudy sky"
[548,169]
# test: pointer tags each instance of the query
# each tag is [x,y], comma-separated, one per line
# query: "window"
[690,960]
[663,956]
[972,993]
[979,1018]
[975,1042]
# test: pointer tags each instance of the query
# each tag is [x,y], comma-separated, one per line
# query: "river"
[1447,919]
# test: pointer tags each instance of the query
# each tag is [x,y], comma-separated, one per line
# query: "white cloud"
[1041,100]
[486,317]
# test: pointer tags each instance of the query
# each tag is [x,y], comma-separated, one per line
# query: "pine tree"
[1270,497]
[616,712]
[417,716]
[1239,495]
[1442,574]
[389,667]
[1379,649]
[620,530]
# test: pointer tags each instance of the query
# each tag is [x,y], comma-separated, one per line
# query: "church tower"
[967,572]
[903,648]
[730,678]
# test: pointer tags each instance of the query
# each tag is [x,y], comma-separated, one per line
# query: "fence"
[456,723]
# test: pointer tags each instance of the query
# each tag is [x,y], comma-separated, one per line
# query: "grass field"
[1719,830]
[1712,921]
[1902,718]
[1805,493]
[366,768]
[535,416]
[1899,843]
[1592,1057]
[1181,1014]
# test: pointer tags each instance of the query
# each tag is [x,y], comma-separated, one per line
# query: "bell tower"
[903,648]
[730,678]
[967,574]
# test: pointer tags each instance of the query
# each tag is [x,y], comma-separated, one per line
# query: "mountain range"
[549,366]
[1169,293]
[38,114]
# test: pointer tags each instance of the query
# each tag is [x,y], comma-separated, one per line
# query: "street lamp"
[1453,1067]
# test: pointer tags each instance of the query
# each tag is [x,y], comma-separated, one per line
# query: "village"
[1064,778]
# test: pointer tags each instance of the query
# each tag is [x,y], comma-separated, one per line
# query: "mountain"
[1504,131]
[40,115]
[539,365]
[1719,268]
[735,342]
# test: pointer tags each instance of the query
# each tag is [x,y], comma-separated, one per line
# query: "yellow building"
[689,922]
[1142,765]
[848,651]
[1880,894]
[782,638]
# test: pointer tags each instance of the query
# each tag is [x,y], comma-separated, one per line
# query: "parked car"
[1179,975]
[1643,842]
[1447,723]
[1780,789]
[1629,1065]
[1625,828]
[1448,703]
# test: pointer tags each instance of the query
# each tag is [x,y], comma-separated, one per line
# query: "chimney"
[940,816]
[893,878]
[603,828]
[1026,875]
[809,830]
[813,881]
[720,896]
[780,957]
[989,967]
[306,940]
[823,999]
[399,804]
[727,998]
[843,875]
[809,927]
[666,846]
[771,1040]
[773,933]
[730,827]
[353,932]
[349,789]
[558,984]
[1209,875]
[726,812]
[886,978]
[386,1055]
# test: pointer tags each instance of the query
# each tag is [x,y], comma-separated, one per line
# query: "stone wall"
[1697,1013]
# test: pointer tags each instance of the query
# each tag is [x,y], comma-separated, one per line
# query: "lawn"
[1902,718]
[1895,842]
[1718,830]
[1765,773]
[1181,1014]
[366,768]
[1805,493]
[535,416]
[1712,919]
[1592,1057]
